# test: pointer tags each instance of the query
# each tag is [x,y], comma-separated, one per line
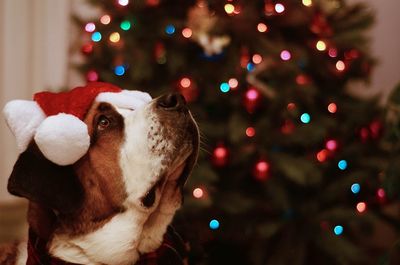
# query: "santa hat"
[55,120]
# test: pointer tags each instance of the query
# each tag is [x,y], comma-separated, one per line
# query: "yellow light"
[321,45]
[261,27]
[340,66]
[229,8]
[307,2]
[115,37]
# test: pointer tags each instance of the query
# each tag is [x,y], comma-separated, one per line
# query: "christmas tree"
[293,168]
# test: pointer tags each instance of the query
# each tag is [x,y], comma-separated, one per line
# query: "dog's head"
[137,160]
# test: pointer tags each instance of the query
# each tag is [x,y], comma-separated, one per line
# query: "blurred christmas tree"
[295,172]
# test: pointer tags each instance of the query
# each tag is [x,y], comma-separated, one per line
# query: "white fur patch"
[22,255]
[113,244]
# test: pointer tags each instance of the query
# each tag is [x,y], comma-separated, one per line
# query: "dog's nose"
[172,101]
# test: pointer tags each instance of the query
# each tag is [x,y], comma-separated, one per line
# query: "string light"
[198,193]
[119,70]
[342,164]
[224,87]
[229,8]
[92,76]
[185,82]
[123,2]
[331,145]
[257,58]
[187,33]
[214,224]
[115,37]
[322,155]
[332,52]
[261,170]
[105,19]
[285,55]
[340,66]
[361,207]
[332,107]
[170,29]
[307,2]
[250,67]
[261,27]
[279,8]
[233,83]
[96,36]
[321,45]
[305,118]
[250,132]
[125,25]
[90,27]
[338,230]
[355,188]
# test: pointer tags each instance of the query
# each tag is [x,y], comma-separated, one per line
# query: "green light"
[125,25]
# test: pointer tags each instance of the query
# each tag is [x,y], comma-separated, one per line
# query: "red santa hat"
[55,120]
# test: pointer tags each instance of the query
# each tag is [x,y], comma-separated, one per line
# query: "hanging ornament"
[202,21]
[160,53]
[252,99]
[188,88]
[220,156]
[87,49]
[320,26]
[261,170]
[287,127]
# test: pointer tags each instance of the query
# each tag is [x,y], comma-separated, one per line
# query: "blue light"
[250,67]
[342,164]
[96,36]
[355,188]
[224,87]
[214,224]
[170,29]
[119,70]
[305,118]
[338,230]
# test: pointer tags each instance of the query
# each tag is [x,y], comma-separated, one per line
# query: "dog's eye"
[103,123]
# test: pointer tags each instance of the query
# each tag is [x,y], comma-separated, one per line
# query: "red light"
[332,108]
[361,207]
[250,132]
[187,32]
[261,170]
[331,145]
[322,155]
[220,152]
[252,94]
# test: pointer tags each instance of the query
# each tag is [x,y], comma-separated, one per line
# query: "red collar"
[172,251]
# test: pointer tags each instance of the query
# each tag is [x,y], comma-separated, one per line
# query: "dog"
[115,203]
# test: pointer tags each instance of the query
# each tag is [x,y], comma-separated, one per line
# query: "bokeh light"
[355,188]
[123,2]
[321,45]
[229,8]
[198,193]
[170,29]
[90,27]
[115,37]
[257,58]
[332,107]
[361,207]
[233,83]
[250,131]
[338,230]
[305,118]
[279,8]
[285,55]
[119,70]
[307,2]
[261,27]
[224,87]
[187,32]
[340,66]
[214,224]
[105,19]
[342,164]
[125,25]
[96,36]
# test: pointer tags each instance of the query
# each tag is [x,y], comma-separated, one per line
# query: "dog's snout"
[171,101]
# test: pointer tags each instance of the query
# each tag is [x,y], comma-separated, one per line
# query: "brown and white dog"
[117,201]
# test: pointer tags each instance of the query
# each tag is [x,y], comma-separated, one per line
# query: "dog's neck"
[42,236]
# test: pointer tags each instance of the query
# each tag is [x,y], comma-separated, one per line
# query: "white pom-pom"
[125,99]
[63,139]
[23,117]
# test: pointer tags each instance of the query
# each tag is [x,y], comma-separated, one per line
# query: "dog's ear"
[41,181]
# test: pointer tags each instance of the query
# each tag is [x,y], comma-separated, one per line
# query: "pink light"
[123,2]
[361,207]
[285,55]
[262,166]
[198,193]
[187,32]
[261,27]
[185,82]
[381,193]
[92,76]
[220,152]
[90,27]
[105,20]
[331,145]
[233,83]
[332,107]
[252,94]
[257,58]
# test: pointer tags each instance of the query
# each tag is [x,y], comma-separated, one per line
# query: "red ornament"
[320,26]
[188,88]
[287,127]
[220,156]
[87,48]
[261,170]
[252,99]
